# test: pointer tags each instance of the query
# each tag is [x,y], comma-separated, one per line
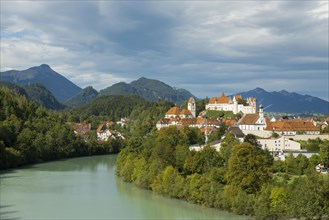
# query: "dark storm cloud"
[205,47]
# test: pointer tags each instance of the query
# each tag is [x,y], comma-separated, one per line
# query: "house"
[292,127]
[238,134]
[236,105]
[104,133]
[81,129]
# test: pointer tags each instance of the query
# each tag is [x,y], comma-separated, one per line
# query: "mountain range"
[150,89]
[289,102]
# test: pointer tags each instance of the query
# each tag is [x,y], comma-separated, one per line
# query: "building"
[255,124]
[198,122]
[81,129]
[191,106]
[104,133]
[279,144]
[292,127]
[236,105]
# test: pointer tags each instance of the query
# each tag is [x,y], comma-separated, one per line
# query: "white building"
[224,103]
[279,144]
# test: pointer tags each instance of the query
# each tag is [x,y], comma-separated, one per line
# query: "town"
[280,136]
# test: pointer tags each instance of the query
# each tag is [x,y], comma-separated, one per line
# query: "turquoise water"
[87,188]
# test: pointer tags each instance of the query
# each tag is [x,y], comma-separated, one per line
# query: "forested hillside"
[35,92]
[30,134]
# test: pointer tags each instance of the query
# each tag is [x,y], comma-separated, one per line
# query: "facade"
[225,103]
[81,129]
[104,133]
[279,144]
[198,122]
[292,127]
[253,122]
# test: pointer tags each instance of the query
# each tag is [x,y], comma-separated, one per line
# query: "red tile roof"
[173,111]
[222,99]
[185,112]
[249,119]
[291,125]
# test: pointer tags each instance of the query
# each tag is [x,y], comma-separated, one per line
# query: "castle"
[224,103]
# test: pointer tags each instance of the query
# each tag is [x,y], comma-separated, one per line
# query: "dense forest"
[241,178]
[30,134]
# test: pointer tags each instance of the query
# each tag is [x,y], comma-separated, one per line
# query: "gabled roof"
[291,125]
[249,119]
[173,111]
[236,131]
[185,112]
[191,100]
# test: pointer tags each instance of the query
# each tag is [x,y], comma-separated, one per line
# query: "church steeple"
[191,106]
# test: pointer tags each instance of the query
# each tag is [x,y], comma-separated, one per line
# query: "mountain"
[148,89]
[289,102]
[114,106]
[35,92]
[57,84]
[83,97]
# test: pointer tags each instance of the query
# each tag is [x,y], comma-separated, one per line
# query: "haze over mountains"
[150,89]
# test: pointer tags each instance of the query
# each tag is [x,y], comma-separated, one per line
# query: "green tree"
[248,167]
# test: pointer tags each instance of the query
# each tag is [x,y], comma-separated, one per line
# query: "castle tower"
[191,106]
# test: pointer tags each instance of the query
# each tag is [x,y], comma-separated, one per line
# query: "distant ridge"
[83,97]
[57,84]
[149,89]
[35,92]
[288,102]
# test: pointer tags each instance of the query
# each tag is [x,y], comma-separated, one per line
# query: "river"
[87,188]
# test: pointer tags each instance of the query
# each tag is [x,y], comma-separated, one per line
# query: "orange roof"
[185,112]
[101,127]
[191,100]
[291,125]
[249,119]
[173,111]
[188,121]
[221,99]
[228,122]
[237,97]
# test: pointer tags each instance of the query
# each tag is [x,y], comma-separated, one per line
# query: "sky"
[206,47]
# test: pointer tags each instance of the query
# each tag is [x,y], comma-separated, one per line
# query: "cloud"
[205,47]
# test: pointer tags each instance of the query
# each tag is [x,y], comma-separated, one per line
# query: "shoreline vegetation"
[31,134]
[241,178]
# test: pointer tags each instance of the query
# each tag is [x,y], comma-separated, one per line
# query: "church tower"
[191,106]
[261,114]
[235,106]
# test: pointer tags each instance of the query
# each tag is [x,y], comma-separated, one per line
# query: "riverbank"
[87,188]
